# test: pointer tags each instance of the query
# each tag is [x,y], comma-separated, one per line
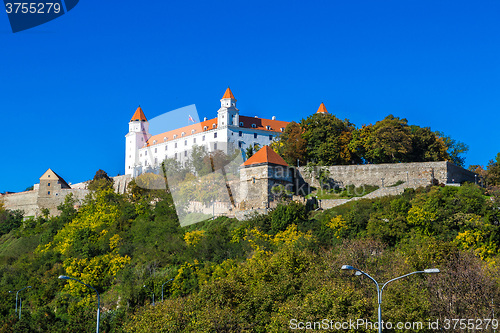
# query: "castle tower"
[228,114]
[322,109]
[137,136]
[259,176]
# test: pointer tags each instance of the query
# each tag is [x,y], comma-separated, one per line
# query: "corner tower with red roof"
[136,138]
[263,179]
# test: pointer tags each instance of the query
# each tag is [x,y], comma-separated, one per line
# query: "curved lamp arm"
[63,277]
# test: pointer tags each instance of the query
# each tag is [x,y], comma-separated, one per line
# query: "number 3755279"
[32,7]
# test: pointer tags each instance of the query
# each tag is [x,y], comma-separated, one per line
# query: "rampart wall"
[414,174]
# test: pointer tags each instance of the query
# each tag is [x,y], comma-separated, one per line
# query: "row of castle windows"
[213,126]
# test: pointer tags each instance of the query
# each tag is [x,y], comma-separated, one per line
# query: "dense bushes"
[254,275]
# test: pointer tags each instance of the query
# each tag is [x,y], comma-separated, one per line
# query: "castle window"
[48,184]
[164,139]
[282,129]
[183,133]
[270,137]
[255,135]
[185,142]
[240,133]
[203,138]
[241,123]
[205,128]
[154,142]
[192,131]
[48,192]
[194,140]
[215,146]
[175,155]
[253,125]
[156,160]
[166,147]
[156,150]
[185,153]
[175,136]
[175,145]
[240,144]
[222,116]
[48,176]
[213,125]
[268,127]
[215,135]
[146,153]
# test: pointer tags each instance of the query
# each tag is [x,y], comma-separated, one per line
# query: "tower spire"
[139,115]
[228,94]
[322,109]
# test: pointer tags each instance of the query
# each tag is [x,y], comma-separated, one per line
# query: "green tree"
[291,145]
[389,141]
[426,146]
[455,149]
[101,181]
[493,175]
[251,150]
[328,139]
[198,160]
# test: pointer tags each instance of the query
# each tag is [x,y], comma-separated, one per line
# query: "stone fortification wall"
[413,174]
[25,201]
[58,198]
[121,182]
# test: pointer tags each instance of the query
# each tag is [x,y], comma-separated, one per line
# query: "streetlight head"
[63,277]
[432,270]
[347,267]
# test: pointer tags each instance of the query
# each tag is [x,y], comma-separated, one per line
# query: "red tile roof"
[262,124]
[187,130]
[138,115]
[265,155]
[322,109]
[228,94]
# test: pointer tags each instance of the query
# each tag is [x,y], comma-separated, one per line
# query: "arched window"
[241,124]
[183,133]
[282,129]
[268,127]
[253,125]
[175,136]
[164,139]
[192,131]
[213,125]
[205,128]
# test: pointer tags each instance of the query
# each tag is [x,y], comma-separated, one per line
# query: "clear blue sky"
[69,87]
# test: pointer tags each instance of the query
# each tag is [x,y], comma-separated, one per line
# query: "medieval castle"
[144,153]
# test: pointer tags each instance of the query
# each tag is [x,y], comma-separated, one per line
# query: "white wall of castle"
[227,136]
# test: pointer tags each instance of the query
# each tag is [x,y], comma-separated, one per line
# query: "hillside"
[251,276]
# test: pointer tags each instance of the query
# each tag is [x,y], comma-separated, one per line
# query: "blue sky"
[69,87]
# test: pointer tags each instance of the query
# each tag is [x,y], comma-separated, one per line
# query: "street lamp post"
[162,288]
[17,297]
[63,277]
[153,292]
[380,290]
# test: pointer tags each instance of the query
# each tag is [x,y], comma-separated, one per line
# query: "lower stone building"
[264,178]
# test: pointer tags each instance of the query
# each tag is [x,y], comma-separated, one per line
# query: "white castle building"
[229,131]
